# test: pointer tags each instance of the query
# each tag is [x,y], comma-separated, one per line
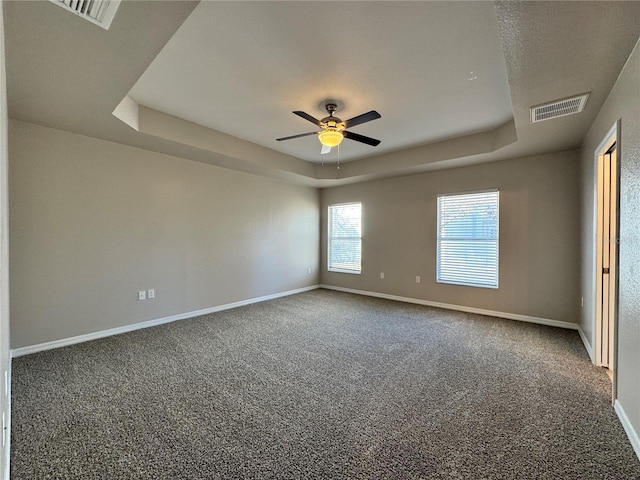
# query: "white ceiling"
[216,82]
[432,70]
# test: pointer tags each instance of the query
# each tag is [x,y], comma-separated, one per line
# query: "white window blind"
[345,238]
[468,239]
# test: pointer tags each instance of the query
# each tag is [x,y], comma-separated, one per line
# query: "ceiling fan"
[333,130]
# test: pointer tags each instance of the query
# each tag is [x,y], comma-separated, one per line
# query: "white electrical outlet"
[309,271]
[151,293]
[142,295]
[381,274]
[417,279]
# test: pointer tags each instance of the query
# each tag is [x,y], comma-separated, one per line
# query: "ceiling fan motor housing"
[331,122]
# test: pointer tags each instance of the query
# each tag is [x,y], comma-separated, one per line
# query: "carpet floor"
[320,385]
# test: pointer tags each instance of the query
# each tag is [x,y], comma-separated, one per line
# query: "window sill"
[338,270]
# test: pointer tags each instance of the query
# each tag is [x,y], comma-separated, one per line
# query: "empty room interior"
[330,240]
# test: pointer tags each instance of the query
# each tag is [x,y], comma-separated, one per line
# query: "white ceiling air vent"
[559,108]
[100,12]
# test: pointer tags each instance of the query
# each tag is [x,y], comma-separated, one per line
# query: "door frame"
[612,137]
[5,359]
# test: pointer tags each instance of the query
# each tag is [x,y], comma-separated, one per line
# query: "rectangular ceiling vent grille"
[559,108]
[99,12]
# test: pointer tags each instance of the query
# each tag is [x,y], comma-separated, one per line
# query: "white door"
[606,258]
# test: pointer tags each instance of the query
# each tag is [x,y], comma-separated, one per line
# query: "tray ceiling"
[215,82]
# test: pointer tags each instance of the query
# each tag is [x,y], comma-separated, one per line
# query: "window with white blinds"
[345,237]
[468,239]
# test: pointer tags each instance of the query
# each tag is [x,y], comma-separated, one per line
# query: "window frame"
[476,239]
[331,238]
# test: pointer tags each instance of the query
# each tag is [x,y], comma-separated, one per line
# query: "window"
[468,239]
[345,238]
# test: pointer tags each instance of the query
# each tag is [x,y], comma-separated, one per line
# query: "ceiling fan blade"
[296,136]
[325,149]
[365,117]
[361,138]
[306,116]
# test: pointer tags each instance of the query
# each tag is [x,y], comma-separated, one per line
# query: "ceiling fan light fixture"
[330,137]
[333,130]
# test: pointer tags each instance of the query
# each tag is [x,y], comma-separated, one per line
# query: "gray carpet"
[321,385]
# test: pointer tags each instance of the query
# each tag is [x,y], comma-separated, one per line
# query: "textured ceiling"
[433,70]
[216,82]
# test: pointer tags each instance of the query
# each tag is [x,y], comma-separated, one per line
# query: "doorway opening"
[607,255]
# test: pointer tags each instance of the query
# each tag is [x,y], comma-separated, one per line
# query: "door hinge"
[605,270]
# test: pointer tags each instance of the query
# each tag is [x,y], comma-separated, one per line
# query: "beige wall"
[93,222]
[623,104]
[539,263]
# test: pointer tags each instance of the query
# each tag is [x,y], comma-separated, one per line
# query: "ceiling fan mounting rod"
[331,107]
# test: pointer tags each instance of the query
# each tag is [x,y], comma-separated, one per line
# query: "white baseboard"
[628,428]
[17,352]
[587,345]
[460,308]
[6,432]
